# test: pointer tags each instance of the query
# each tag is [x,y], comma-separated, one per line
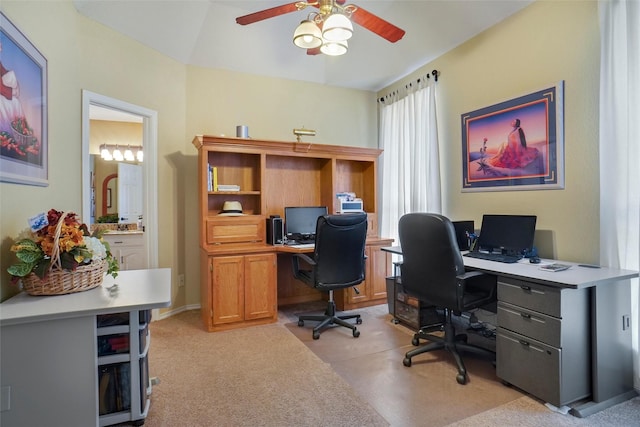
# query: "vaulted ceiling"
[204,33]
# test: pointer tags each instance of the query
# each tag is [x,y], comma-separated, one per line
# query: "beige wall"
[82,54]
[543,44]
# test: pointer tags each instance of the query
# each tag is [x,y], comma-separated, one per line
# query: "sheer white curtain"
[620,145]
[410,163]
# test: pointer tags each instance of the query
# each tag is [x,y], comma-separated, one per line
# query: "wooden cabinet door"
[365,287]
[227,284]
[260,286]
[378,269]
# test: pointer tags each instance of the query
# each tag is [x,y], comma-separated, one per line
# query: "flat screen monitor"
[463,229]
[300,221]
[507,234]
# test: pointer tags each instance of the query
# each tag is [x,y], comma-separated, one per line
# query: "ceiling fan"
[328,30]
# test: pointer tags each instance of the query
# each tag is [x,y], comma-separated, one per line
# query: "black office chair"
[338,262]
[432,270]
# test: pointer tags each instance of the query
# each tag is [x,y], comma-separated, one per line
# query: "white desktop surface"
[576,277]
[137,290]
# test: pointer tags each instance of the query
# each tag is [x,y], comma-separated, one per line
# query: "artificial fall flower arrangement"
[34,248]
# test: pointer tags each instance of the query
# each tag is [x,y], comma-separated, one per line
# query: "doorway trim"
[149,166]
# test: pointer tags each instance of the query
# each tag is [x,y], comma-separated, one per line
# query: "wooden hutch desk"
[243,279]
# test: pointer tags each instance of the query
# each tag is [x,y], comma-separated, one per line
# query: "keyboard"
[509,259]
[303,245]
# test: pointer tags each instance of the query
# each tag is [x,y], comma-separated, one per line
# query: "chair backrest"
[431,259]
[339,250]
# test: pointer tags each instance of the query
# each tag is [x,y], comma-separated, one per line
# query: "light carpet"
[259,376]
[528,412]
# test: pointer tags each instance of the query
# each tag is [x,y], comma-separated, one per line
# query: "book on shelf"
[212,181]
[228,187]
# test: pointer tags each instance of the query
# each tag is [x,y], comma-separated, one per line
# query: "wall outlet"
[180,280]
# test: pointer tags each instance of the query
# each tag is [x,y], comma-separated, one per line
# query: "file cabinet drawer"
[530,365]
[530,295]
[551,374]
[530,323]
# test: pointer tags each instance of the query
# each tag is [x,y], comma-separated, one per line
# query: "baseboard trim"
[176,310]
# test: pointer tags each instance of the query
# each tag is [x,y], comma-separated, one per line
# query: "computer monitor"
[300,221]
[463,230]
[507,234]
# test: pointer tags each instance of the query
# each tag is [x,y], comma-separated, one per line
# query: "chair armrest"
[476,280]
[305,275]
[306,258]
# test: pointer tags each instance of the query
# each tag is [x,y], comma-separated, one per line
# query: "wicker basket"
[60,281]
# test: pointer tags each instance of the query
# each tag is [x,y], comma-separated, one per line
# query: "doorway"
[149,166]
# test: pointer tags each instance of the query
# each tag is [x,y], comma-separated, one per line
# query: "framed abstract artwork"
[23,109]
[516,144]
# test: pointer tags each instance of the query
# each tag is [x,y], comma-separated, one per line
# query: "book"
[555,267]
[228,187]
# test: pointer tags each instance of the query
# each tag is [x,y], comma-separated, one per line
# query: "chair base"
[329,318]
[454,344]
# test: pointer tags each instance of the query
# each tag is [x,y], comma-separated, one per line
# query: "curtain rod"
[434,73]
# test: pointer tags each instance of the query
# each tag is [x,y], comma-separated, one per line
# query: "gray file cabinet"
[543,341]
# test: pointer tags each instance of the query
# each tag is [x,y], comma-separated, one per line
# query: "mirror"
[112,131]
[150,167]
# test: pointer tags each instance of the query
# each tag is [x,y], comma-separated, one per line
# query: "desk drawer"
[237,229]
[529,365]
[530,323]
[533,296]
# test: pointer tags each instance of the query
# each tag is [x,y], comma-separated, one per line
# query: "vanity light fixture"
[113,152]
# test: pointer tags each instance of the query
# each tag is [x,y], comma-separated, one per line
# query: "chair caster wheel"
[461,378]
[300,322]
[415,341]
[358,321]
[407,362]
[316,335]
[356,333]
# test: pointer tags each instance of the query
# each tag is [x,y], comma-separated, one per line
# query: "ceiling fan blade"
[377,25]
[267,13]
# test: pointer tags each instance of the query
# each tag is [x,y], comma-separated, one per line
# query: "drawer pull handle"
[525,315]
[118,241]
[526,288]
[525,343]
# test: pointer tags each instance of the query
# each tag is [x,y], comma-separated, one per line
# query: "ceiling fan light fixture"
[334,48]
[307,35]
[337,27]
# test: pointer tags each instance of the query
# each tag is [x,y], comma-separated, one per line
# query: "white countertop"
[137,290]
[121,232]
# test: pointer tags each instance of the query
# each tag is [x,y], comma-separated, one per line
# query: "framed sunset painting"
[516,144]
